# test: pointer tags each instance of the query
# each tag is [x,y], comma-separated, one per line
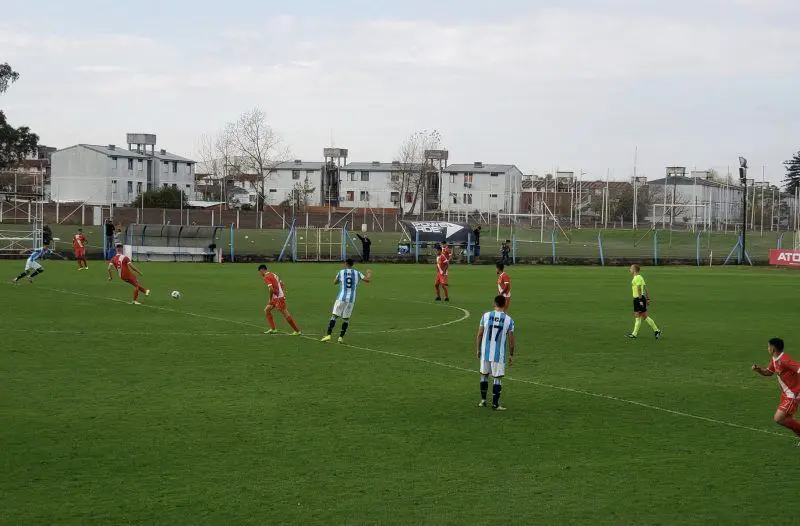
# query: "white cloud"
[100,69]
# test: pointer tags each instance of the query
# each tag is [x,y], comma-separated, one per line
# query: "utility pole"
[743,180]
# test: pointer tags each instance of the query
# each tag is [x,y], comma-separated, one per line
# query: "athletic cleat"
[482,403]
[295,333]
[630,336]
[447,299]
[136,302]
[498,408]
[147,292]
[438,299]
[326,338]
[15,280]
[340,340]
[271,331]
[658,335]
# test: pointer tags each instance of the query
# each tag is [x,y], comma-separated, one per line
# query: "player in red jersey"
[277,301]
[441,275]
[127,272]
[447,251]
[503,285]
[79,246]
[788,372]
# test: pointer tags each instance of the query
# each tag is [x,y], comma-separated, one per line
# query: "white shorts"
[493,369]
[32,265]
[343,309]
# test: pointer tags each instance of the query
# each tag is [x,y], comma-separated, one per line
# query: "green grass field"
[183,412]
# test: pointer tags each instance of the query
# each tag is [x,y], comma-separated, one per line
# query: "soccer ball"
[175,295]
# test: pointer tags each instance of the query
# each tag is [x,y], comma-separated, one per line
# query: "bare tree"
[411,169]
[258,147]
[218,155]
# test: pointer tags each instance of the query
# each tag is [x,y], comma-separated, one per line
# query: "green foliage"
[623,208]
[15,143]
[162,198]
[792,181]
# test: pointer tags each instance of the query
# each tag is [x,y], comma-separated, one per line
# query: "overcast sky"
[577,85]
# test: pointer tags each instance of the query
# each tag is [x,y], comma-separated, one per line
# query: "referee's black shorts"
[640,304]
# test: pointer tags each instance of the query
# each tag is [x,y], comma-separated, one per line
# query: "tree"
[258,148]
[792,181]
[218,156]
[15,143]
[623,207]
[412,169]
[300,196]
[167,197]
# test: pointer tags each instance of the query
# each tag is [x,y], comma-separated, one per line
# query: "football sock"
[636,325]
[37,272]
[446,292]
[345,324]
[142,289]
[291,322]
[791,423]
[438,294]
[496,388]
[22,275]
[135,294]
[270,320]
[484,387]
[331,325]
[651,322]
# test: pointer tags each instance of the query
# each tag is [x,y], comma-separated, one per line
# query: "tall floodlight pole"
[743,181]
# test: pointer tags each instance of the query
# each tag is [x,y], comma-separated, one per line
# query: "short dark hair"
[777,343]
[349,262]
[500,301]
[118,245]
[262,267]
[508,241]
[500,266]
[437,248]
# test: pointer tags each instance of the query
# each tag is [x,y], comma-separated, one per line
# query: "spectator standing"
[109,237]
[505,252]
[365,247]
[477,235]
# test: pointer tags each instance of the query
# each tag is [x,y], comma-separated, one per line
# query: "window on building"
[174,186]
[455,198]
[166,185]
[188,187]
[174,167]
[467,199]
[495,174]
[452,178]
[364,176]
[351,176]
[138,188]
[114,187]
[141,165]
[395,177]
[295,174]
[363,195]
[114,163]
[409,197]
[468,180]
[493,196]
[273,190]
[130,164]
[395,197]
[309,173]
[130,187]
[350,196]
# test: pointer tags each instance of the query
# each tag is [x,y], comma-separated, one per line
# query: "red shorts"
[441,280]
[80,253]
[278,304]
[131,280]
[788,405]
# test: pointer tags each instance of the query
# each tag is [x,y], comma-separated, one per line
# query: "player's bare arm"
[511,346]
[478,339]
[367,276]
[135,269]
[110,268]
[762,370]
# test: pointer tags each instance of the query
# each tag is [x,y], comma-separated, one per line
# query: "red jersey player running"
[788,372]
[126,269]
[447,251]
[441,274]
[79,246]
[277,301]
[503,285]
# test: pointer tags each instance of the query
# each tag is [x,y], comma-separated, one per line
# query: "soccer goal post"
[672,214]
[519,223]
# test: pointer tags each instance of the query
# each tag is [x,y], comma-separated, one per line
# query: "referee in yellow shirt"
[641,299]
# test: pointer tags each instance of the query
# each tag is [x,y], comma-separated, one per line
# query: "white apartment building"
[696,199]
[110,175]
[293,175]
[481,187]
[372,184]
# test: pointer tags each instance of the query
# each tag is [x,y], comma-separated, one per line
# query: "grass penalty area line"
[471,371]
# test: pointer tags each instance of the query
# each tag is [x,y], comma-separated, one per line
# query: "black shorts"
[640,304]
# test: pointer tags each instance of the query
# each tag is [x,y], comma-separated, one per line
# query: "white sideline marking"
[471,371]
[141,333]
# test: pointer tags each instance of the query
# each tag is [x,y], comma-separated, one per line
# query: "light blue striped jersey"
[496,328]
[348,279]
[38,254]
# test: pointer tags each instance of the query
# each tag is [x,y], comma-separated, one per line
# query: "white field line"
[471,371]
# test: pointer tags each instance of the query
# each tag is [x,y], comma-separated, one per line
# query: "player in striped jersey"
[32,266]
[495,336]
[348,279]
